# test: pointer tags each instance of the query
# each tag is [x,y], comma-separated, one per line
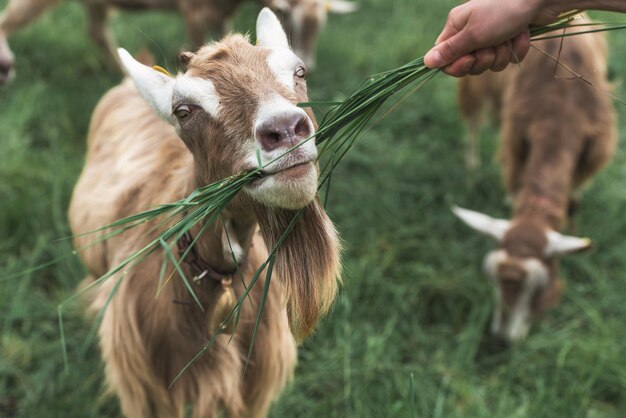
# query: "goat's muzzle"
[283,131]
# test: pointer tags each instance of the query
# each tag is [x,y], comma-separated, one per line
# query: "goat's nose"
[286,131]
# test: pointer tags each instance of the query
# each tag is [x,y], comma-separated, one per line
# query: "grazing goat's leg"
[17,13]
[202,17]
[572,208]
[471,103]
[472,152]
[513,155]
[100,35]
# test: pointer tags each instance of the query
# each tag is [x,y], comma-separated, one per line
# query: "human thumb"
[442,54]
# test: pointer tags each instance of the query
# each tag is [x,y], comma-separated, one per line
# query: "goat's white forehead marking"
[537,276]
[275,106]
[198,91]
[536,272]
[520,316]
[492,260]
[283,63]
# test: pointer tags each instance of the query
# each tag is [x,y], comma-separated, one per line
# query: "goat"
[235,102]
[556,133]
[303,19]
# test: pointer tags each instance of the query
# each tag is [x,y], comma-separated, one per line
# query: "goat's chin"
[286,190]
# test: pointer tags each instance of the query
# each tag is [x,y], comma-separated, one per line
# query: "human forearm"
[566,5]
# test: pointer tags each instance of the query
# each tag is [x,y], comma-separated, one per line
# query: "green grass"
[414,300]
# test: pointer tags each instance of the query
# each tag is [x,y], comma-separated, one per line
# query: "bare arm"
[608,5]
[489,34]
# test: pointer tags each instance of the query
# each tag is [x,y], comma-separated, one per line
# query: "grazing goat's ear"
[495,228]
[154,86]
[341,6]
[269,32]
[185,58]
[559,244]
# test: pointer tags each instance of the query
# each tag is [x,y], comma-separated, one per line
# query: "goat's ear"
[154,85]
[495,228]
[185,58]
[341,6]
[559,244]
[269,32]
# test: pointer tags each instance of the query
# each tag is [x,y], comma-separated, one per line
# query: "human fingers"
[448,51]
[485,59]
[503,56]
[519,47]
[461,67]
[456,20]
[447,48]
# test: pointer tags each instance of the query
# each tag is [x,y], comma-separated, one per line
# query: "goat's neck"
[230,233]
[546,187]
[214,249]
[225,242]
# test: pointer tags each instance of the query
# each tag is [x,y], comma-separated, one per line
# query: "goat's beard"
[307,263]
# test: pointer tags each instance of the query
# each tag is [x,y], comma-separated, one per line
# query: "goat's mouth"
[289,173]
[292,186]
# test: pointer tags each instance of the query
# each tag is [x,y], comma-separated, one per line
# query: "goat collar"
[201,269]
[550,207]
[540,201]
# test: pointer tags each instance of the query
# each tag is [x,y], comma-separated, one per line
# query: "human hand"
[487,34]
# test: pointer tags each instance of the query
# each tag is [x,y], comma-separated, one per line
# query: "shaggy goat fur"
[135,161]
[557,131]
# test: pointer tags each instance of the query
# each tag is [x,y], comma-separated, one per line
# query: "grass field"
[414,305]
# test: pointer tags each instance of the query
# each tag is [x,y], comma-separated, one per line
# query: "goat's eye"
[182,111]
[300,72]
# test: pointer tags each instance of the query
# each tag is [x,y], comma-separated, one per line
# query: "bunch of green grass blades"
[338,131]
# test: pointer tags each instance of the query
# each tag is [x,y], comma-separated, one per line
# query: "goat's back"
[558,96]
[558,112]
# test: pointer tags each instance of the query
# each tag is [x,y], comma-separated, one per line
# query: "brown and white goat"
[303,20]
[557,132]
[234,101]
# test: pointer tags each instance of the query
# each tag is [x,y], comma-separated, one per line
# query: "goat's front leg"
[202,17]
[472,152]
[17,14]
[572,208]
[100,35]
[471,103]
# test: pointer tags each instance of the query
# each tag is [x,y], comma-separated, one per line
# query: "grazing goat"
[303,20]
[234,104]
[557,131]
